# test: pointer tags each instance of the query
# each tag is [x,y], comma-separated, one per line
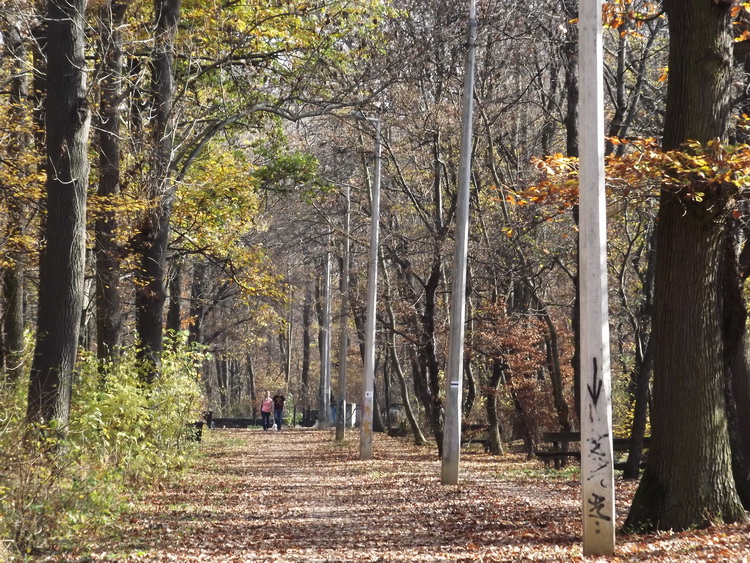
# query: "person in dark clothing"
[278,408]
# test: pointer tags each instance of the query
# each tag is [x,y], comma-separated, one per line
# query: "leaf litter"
[296,495]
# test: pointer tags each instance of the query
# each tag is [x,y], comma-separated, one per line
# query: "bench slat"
[556,439]
[560,454]
[618,442]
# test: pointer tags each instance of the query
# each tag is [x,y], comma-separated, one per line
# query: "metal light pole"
[344,320]
[324,404]
[454,367]
[597,471]
[365,438]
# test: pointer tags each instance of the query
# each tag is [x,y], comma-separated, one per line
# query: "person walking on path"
[266,405]
[278,408]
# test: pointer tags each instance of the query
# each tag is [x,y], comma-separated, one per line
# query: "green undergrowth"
[59,485]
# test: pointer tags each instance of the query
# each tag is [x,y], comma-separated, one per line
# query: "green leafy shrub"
[121,432]
[141,430]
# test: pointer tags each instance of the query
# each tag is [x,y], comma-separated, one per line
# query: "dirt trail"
[296,496]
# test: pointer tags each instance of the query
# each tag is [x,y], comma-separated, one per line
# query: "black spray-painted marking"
[596,471]
[597,453]
[596,391]
[597,505]
[596,445]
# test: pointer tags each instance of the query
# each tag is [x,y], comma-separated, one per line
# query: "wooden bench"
[222,422]
[556,453]
[476,434]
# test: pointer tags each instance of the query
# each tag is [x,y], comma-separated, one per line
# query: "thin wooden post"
[454,367]
[597,469]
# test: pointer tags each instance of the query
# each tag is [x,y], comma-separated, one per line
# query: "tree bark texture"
[640,414]
[108,251]
[307,307]
[554,366]
[570,58]
[469,380]
[13,272]
[735,353]
[424,362]
[151,240]
[251,385]
[639,385]
[61,265]
[197,310]
[174,312]
[493,390]
[688,480]
[419,438]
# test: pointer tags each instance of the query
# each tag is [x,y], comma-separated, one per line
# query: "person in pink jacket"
[266,406]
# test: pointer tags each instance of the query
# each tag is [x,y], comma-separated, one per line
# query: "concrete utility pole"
[344,320]
[597,471]
[324,404]
[365,438]
[454,368]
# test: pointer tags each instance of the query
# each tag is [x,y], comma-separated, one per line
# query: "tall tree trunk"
[88,313]
[108,301]
[419,438]
[686,487]
[285,340]
[377,418]
[222,384]
[471,385]
[735,352]
[576,326]
[251,385]
[13,276]
[639,387]
[197,302]
[153,234]
[640,414]
[306,342]
[494,433]
[61,266]
[523,416]
[235,389]
[387,387]
[740,387]
[425,367]
[738,400]
[554,367]
[570,56]
[174,313]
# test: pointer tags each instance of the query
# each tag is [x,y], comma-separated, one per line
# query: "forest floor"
[296,495]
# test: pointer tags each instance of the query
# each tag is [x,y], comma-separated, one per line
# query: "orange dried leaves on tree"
[692,172]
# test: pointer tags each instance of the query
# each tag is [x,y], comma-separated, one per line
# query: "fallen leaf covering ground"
[295,495]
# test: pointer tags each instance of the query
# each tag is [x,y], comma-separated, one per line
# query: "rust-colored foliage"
[694,172]
[518,342]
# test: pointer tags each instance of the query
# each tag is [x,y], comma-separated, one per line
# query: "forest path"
[295,495]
